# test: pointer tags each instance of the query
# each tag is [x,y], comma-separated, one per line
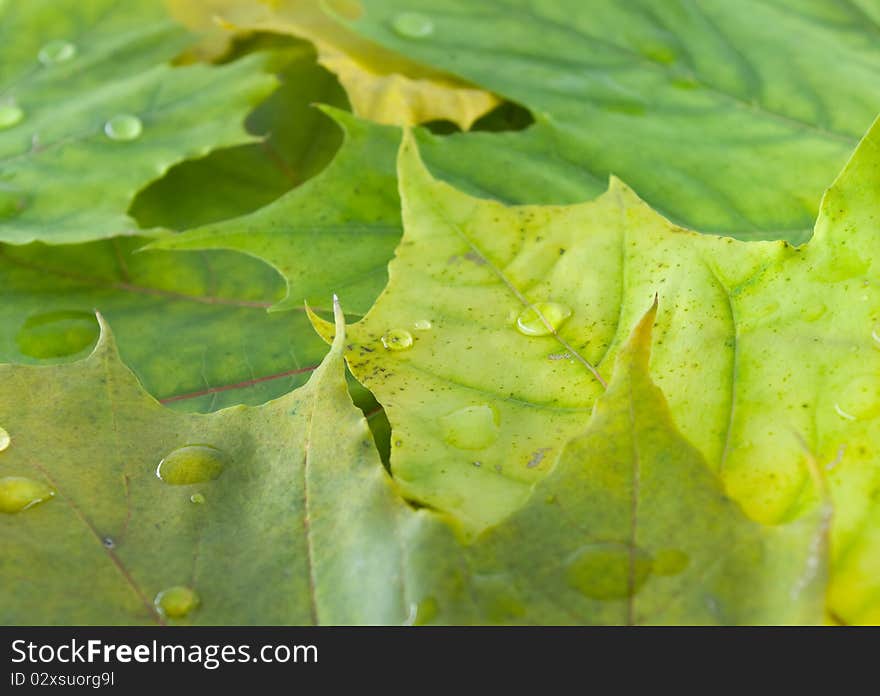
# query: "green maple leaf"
[766,352]
[274,514]
[726,116]
[283,514]
[296,143]
[91,112]
[194,327]
[349,213]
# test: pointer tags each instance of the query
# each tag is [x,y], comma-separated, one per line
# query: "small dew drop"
[397,339]
[191,464]
[5,439]
[875,334]
[412,25]
[608,570]
[58,51]
[843,414]
[471,427]
[197,498]
[177,602]
[10,115]
[860,398]
[19,493]
[124,127]
[542,318]
[423,325]
[108,543]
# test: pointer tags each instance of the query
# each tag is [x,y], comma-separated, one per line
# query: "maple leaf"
[91,112]
[498,327]
[383,86]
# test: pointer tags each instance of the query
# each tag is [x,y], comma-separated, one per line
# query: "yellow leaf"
[382,85]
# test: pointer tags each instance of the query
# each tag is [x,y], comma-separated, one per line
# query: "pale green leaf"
[93,111]
[349,213]
[767,353]
[294,529]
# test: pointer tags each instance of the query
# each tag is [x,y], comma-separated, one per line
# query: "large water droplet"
[58,51]
[10,115]
[397,339]
[412,25]
[5,440]
[19,493]
[860,398]
[542,318]
[423,325]
[124,127]
[471,427]
[177,602]
[57,334]
[191,464]
[608,570]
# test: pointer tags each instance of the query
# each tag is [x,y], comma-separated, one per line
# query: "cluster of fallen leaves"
[560,404]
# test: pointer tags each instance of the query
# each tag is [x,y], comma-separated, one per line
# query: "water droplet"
[57,334]
[423,325]
[860,398]
[5,440]
[19,493]
[542,318]
[412,25]
[843,414]
[608,570]
[58,51]
[108,543]
[875,334]
[177,602]
[10,115]
[191,464]
[471,427]
[124,127]
[397,339]
[670,562]
[197,498]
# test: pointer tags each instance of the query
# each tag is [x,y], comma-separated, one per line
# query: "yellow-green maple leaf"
[381,84]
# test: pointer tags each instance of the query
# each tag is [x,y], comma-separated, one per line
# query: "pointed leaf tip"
[106,342]
[325,329]
[635,355]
